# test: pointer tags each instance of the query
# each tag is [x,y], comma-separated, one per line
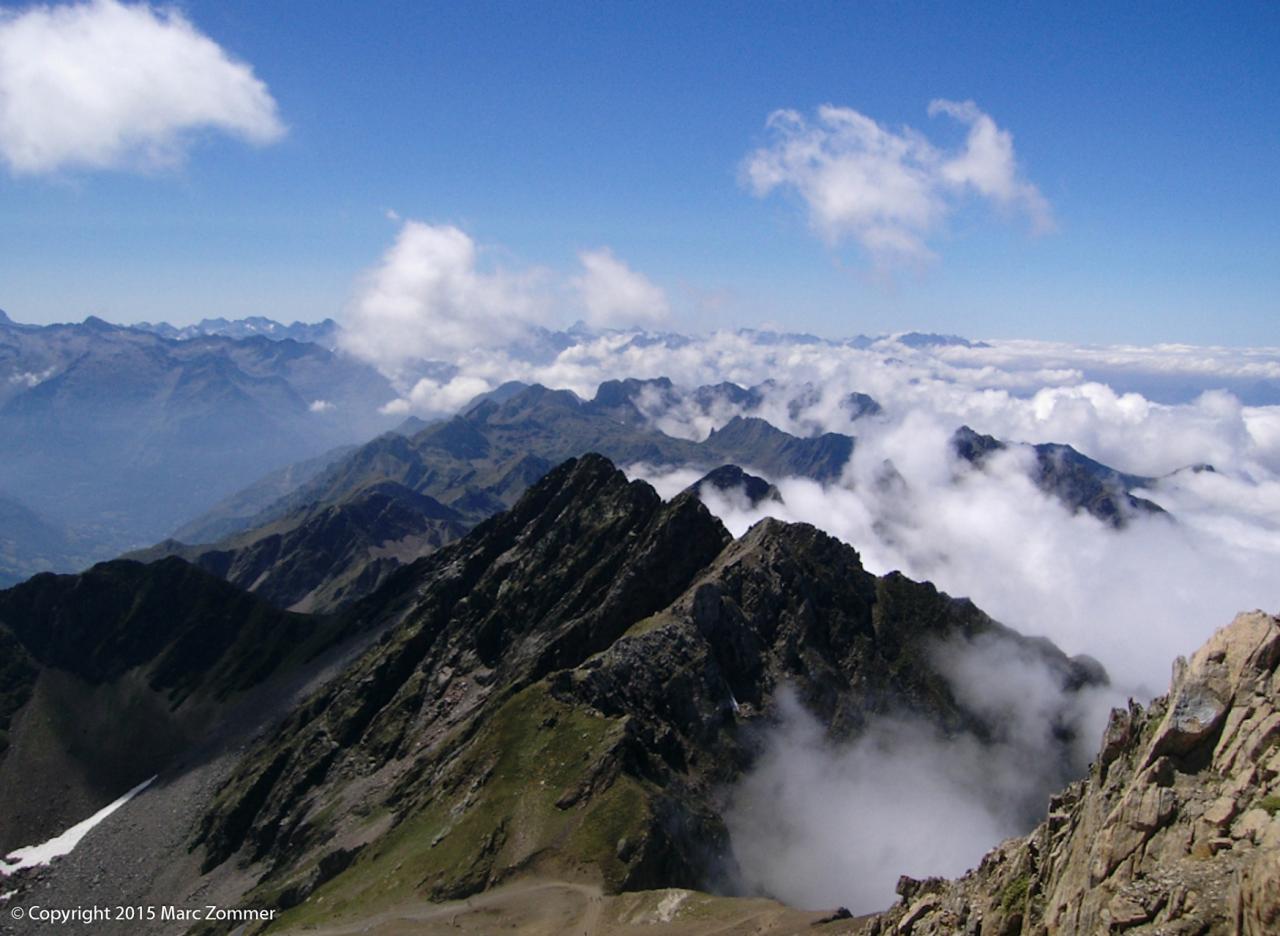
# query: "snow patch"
[35,855]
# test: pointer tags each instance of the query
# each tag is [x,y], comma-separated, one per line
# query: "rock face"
[1176,830]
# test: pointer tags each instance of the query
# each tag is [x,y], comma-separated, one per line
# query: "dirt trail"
[539,907]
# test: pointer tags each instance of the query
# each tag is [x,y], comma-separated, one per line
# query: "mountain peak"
[98,324]
[731,478]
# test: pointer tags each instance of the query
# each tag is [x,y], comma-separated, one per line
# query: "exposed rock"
[1171,832]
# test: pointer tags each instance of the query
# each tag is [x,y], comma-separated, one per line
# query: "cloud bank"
[444,324]
[105,85]
[889,190]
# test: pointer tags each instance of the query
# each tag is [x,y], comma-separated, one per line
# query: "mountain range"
[543,716]
[346,520]
[119,437]
[323,333]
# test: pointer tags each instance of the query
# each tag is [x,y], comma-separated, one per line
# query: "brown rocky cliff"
[1176,830]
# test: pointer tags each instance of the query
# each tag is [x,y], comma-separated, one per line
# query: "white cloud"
[818,824]
[104,85]
[987,164]
[435,396]
[428,300]
[320,406]
[443,328]
[615,296]
[888,190]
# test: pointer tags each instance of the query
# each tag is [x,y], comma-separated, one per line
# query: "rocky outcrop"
[1176,830]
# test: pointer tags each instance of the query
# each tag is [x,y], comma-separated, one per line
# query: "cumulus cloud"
[889,190]
[429,395]
[105,85]
[430,300]
[988,166]
[615,296]
[443,325]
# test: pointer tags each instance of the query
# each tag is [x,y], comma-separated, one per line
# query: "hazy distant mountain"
[400,497]
[323,333]
[30,543]
[481,461]
[932,340]
[118,434]
[344,521]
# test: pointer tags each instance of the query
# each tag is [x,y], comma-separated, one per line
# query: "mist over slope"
[1176,828]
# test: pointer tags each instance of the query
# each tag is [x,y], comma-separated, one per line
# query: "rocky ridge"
[322,557]
[566,691]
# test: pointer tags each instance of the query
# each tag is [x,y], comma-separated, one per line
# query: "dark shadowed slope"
[1076,480]
[109,674]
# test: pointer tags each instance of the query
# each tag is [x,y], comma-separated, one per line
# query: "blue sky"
[543,130]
